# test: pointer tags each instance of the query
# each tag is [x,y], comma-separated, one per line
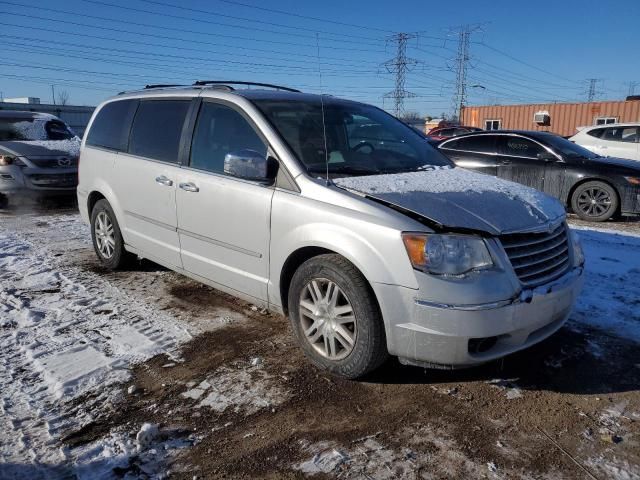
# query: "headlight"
[633,180]
[446,254]
[6,160]
[578,253]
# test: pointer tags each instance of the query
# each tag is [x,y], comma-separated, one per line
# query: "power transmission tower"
[462,67]
[593,91]
[399,66]
[632,88]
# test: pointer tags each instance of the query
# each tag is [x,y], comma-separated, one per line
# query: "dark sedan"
[593,187]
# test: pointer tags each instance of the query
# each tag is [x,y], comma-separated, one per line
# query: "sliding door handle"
[162,180]
[189,187]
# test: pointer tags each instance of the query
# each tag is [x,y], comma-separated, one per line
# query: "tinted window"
[479,143]
[518,147]
[620,134]
[110,128]
[596,132]
[221,130]
[157,129]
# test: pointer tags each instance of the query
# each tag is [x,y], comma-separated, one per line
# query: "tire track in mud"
[65,332]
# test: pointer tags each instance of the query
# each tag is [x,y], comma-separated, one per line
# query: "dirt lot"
[237,399]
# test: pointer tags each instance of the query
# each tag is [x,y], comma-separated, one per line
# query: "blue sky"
[531,51]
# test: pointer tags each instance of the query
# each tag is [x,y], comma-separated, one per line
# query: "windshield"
[360,139]
[33,129]
[567,148]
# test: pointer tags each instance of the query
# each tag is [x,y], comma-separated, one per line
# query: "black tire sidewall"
[370,348]
[120,255]
[603,186]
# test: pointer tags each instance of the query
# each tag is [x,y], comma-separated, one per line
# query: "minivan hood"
[460,199]
[42,148]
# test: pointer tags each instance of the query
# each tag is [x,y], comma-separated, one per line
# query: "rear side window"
[518,147]
[596,132]
[157,129]
[479,143]
[110,128]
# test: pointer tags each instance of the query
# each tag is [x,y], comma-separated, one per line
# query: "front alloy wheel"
[335,316]
[595,201]
[327,319]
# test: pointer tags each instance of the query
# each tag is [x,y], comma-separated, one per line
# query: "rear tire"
[107,238]
[595,201]
[335,317]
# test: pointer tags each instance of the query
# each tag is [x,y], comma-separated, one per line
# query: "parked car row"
[594,187]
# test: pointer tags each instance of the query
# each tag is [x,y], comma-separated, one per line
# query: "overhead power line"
[234,37]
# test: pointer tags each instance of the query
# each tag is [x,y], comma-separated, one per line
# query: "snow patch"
[240,389]
[448,180]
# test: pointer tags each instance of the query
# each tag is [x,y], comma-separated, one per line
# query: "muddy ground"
[255,408]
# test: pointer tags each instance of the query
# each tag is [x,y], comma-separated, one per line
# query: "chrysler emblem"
[64,162]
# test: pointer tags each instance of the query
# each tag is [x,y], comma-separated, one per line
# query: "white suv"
[614,140]
[334,213]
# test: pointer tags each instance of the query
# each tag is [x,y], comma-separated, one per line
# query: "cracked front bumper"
[448,335]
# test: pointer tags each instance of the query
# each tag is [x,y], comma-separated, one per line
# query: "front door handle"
[506,162]
[162,180]
[189,187]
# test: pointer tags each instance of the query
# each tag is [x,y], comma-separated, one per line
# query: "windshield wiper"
[348,169]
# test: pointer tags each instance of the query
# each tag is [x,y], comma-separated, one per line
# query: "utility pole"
[399,66]
[632,88]
[53,94]
[593,92]
[462,67]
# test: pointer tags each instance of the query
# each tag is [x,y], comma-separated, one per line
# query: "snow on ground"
[64,333]
[610,299]
[67,333]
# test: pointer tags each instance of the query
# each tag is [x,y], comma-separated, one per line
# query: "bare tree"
[62,97]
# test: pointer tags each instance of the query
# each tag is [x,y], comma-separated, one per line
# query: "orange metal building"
[560,118]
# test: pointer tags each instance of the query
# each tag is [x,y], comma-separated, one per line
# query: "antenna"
[324,126]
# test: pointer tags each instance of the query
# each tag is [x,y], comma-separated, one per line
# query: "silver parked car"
[371,246]
[38,155]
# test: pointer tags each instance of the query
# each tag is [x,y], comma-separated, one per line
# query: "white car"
[614,140]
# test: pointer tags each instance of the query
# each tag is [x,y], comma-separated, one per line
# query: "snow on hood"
[42,148]
[458,198]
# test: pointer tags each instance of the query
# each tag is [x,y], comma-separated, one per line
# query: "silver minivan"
[335,214]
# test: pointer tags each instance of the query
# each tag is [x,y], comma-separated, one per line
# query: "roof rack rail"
[202,83]
[162,85]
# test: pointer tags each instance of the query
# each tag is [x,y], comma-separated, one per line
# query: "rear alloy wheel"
[595,201]
[106,236]
[335,317]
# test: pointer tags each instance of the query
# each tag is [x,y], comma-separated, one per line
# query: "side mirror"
[249,165]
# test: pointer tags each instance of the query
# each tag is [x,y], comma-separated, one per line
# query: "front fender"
[376,250]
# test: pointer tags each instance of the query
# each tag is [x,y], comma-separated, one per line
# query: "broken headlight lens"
[447,254]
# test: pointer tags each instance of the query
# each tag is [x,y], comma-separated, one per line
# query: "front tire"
[595,201]
[335,317]
[107,238]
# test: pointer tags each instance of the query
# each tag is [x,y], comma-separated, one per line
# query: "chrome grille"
[538,258]
[54,163]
